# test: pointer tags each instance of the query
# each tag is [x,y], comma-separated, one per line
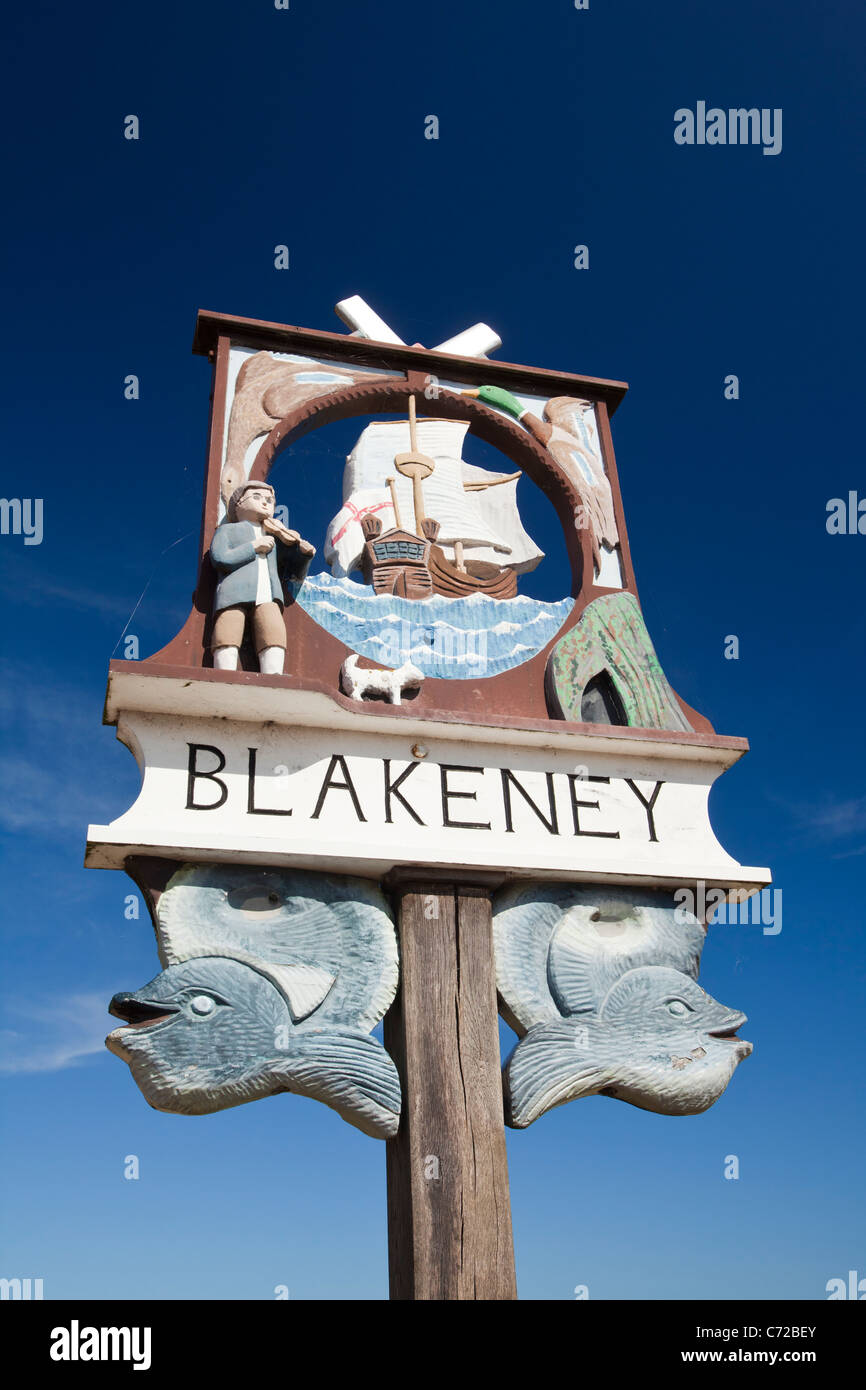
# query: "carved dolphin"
[600,984]
[214,1033]
[659,1042]
[323,940]
[273,980]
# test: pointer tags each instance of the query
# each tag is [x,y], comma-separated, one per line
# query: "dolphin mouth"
[728,1028]
[139,1013]
[727,1032]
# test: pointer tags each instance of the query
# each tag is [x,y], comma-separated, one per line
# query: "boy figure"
[252,553]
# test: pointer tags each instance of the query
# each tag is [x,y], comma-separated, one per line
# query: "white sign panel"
[360,800]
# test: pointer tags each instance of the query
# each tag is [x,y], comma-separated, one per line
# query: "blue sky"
[305,127]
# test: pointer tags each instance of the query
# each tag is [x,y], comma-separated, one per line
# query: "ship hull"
[400,563]
[396,562]
[403,581]
[451,582]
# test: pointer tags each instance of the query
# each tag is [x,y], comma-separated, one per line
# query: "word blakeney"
[453,788]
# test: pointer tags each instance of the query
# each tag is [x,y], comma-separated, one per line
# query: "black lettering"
[589,805]
[252,808]
[393,789]
[508,778]
[193,775]
[347,786]
[447,793]
[648,805]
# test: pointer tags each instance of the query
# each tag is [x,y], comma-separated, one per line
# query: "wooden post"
[449,1215]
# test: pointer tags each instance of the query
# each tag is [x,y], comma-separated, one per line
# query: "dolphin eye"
[203,1005]
[198,1002]
[678,1008]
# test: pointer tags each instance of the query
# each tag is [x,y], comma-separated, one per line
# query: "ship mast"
[416,466]
[397,522]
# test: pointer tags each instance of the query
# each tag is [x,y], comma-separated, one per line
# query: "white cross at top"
[356,313]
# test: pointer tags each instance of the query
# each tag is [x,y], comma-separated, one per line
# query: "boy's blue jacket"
[235,561]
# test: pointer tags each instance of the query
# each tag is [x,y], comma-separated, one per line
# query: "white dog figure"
[357,683]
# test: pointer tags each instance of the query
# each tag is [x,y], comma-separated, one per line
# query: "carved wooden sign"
[289,789]
[381,780]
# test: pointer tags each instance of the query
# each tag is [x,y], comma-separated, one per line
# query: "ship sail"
[488,525]
[498,505]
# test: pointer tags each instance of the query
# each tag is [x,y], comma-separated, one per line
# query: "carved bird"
[603,994]
[568,433]
[298,968]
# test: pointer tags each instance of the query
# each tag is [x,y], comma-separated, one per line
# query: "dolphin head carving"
[199,1036]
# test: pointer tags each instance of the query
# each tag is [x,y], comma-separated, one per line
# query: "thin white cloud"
[41,591]
[61,773]
[830,820]
[33,799]
[52,1037]
[839,819]
[850,853]
[838,822]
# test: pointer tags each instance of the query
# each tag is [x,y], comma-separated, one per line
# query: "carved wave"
[449,638]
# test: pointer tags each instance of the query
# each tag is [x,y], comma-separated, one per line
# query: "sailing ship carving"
[471,542]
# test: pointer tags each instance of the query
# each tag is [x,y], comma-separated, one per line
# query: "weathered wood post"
[449,1214]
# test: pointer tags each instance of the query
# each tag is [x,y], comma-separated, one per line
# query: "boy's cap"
[232,506]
